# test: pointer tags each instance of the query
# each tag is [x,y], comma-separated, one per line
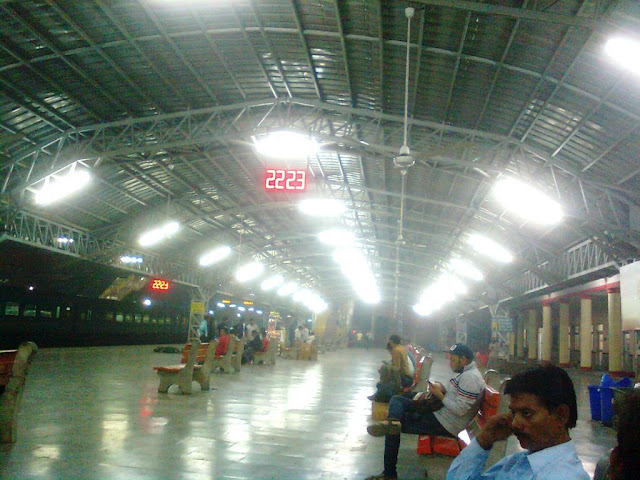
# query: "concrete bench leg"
[202,379]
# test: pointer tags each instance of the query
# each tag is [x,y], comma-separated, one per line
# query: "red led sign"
[285,180]
[159,284]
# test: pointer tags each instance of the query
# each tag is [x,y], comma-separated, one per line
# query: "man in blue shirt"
[543,408]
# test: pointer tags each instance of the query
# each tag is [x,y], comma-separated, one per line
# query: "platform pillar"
[547,332]
[532,334]
[615,331]
[563,335]
[519,326]
[586,338]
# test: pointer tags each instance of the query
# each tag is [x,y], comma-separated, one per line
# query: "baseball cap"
[461,350]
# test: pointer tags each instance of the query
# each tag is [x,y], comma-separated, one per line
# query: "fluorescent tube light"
[624,51]
[61,187]
[489,248]
[286,145]
[287,289]
[465,269]
[215,256]
[249,271]
[272,282]
[528,202]
[158,234]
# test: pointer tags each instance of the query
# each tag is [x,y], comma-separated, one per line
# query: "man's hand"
[437,390]
[497,428]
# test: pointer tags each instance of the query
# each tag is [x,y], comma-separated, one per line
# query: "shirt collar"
[469,367]
[547,457]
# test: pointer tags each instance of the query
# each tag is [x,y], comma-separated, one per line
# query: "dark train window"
[57,312]
[108,316]
[167,320]
[29,311]
[46,313]
[12,309]
[145,319]
[160,320]
[119,317]
[138,317]
[128,318]
[83,316]
[154,320]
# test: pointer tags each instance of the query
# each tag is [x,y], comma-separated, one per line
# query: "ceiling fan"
[404,160]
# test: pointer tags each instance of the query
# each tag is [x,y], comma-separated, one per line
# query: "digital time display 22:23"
[288,180]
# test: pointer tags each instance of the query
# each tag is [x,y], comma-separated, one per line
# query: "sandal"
[386,427]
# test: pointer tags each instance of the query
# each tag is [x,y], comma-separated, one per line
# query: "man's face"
[534,426]
[457,363]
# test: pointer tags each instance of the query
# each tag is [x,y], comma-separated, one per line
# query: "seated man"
[254,345]
[543,408]
[459,406]
[624,461]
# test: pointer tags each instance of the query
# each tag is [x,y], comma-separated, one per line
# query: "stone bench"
[196,364]
[14,365]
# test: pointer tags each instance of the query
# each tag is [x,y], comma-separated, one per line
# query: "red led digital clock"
[286,180]
[159,284]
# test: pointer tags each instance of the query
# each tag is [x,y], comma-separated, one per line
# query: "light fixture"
[355,267]
[287,289]
[489,248]
[221,305]
[31,288]
[272,282]
[232,305]
[130,259]
[465,269]
[336,237]
[625,51]
[65,240]
[286,145]
[158,234]
[61,187]
[241,309]
[210,312]
[215,255]
[422,310]
[249,271]
[259,312]
[146,302]
[527,202]
[321,207]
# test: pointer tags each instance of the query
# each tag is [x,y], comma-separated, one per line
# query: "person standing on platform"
[252,327]
[542,408]
[411,413]
[203,330]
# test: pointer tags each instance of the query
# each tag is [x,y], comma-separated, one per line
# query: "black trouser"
[419,422]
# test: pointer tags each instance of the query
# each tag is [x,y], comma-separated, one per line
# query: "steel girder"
[39,232]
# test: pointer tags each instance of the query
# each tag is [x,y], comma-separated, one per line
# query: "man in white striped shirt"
[411,413]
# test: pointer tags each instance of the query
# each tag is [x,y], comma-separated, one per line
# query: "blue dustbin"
[594,402]
[606,405]
[606,399]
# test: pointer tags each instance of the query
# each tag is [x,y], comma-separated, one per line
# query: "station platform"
[95,413]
